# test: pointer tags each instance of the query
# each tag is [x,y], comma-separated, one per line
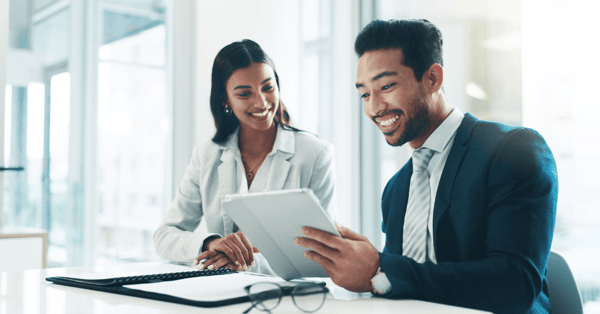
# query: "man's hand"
[235,246]
[350,261]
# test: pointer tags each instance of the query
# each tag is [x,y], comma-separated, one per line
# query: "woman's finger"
[205,255]
[242,247]
[210,263]
[234,247]
[248,246]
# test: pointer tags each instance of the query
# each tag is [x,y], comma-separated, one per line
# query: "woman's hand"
[215,260]
[235,246]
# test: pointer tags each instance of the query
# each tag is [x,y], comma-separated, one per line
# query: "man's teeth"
[389,122]
[260,114]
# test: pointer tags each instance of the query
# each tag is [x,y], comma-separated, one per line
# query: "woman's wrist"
[207,241]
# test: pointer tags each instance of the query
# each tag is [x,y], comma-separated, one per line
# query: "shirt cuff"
[381,283]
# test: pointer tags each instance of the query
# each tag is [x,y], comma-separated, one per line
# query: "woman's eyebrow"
[246,86]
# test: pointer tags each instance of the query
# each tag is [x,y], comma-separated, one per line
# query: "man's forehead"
[373,62]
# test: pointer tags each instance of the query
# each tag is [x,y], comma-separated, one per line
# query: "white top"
[440,141]
[298,160]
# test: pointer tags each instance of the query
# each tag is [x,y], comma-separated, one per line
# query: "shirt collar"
[284,141]
[440,138]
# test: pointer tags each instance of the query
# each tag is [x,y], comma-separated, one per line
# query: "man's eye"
[387,86]
[365,95]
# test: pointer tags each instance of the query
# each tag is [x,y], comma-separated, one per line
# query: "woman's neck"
[257,143]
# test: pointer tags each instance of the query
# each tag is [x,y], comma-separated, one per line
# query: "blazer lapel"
[228,173]
[285,148]
[453,164]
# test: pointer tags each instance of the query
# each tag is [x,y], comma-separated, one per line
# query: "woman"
[254,150]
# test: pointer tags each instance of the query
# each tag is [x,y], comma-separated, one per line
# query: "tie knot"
[421,158]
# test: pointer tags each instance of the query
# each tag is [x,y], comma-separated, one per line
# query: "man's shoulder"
[490,134]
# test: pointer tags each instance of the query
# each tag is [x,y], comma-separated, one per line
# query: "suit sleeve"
[175,238]
[520,210]
[322,180]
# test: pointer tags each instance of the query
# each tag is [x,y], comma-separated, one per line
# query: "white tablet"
[272,220]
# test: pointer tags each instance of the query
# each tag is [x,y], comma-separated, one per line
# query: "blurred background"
[103,101]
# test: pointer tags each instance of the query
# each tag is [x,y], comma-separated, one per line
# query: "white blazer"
[298,160]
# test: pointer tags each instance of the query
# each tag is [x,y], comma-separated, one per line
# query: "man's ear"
[433,78]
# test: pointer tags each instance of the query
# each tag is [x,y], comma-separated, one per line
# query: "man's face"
[391,95]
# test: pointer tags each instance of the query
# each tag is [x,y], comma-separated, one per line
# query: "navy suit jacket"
[493,223]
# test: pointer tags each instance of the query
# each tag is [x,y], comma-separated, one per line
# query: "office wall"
[219,23]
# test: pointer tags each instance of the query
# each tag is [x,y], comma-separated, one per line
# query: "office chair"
[562,289]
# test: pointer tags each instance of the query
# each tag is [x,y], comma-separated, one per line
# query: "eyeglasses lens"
[265,296]
[310,297]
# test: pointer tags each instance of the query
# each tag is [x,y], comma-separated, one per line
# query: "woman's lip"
[264,113]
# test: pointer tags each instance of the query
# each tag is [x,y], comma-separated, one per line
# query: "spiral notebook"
[173,283]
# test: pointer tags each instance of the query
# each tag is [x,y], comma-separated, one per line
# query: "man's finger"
[323,261]
[324,237]
[316,246]
[346,233]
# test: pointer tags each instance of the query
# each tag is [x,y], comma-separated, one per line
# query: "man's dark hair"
[420,41]
[237,55]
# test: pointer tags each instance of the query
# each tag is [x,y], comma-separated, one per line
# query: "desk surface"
[28,292]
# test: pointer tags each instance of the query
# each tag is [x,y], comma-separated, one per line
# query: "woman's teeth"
[260,114]
[389,122]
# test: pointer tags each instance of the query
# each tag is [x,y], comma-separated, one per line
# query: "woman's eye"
[365,95]
[267,88]
[387,86]
[244,94]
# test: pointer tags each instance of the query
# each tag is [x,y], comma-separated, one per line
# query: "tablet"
[272,220]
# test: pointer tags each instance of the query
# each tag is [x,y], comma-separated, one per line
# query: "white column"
[181,54]
[3,53]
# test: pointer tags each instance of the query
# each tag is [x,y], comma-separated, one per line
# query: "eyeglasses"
[265,296]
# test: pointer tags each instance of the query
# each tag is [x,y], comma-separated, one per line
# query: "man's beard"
[417,120]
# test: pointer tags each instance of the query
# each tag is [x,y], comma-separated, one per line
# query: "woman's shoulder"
[207,150]
[307,142]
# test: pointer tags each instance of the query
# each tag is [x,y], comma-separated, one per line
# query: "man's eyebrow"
[246,86]
[384,74]
[380,75]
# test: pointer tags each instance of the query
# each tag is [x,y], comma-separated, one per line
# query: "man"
[469,219]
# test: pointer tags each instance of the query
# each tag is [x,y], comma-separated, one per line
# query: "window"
[90,121]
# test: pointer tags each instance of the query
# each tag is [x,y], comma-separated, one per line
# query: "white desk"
[28,292]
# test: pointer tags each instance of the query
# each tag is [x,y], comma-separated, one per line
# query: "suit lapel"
[453,164]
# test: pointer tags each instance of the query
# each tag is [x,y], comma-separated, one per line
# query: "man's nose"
[377,104]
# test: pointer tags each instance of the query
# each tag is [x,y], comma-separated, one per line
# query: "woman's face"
[253,95]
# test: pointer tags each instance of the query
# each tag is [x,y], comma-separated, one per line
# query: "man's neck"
[439,111]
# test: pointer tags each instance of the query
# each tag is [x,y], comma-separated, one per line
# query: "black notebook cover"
[116,285]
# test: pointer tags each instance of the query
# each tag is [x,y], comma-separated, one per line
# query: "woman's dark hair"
[420,41]
[237,55]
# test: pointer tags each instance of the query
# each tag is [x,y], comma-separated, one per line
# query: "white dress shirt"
[440,141]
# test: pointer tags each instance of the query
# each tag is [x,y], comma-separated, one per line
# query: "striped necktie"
[414,243]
